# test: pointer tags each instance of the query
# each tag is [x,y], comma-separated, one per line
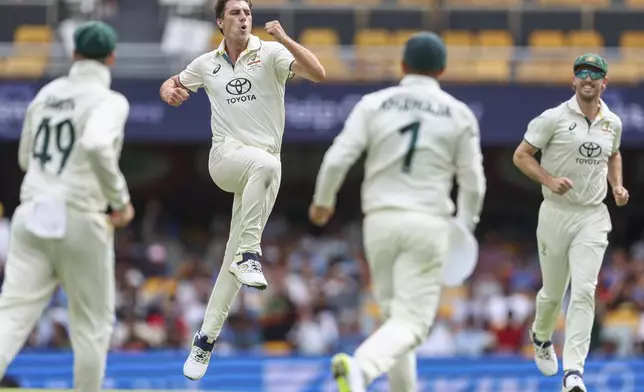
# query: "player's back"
[56,164]
[413,136]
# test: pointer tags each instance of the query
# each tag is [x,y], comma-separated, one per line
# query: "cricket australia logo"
[589,152]
[240,88]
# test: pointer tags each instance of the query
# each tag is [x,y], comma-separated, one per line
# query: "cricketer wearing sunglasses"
[579,142]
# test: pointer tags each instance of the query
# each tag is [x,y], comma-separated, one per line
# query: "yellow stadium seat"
[482,3]
[495,44]
[625,72]
[547,39]
[547,43]
[373,48]
[458,38]
[459,70]
[319,37]
[400,37]
[492,70]
[534,71]
[343,2]
[24,67]
[632,44]
[33,34]
[417,3]
[586,40]
[635,3]
[262,34]
[216,39]
[336,68]
[575,3]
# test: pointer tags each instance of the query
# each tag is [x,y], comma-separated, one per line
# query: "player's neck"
[589,109]
[234,48]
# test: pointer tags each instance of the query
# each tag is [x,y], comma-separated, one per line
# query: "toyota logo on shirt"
[238,86]
[589,152]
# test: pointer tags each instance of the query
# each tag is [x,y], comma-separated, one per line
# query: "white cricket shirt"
[247,98]
[576,148]
[417,137]
[71,141]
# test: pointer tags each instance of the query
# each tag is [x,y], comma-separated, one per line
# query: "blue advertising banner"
[163,371]
[316,112]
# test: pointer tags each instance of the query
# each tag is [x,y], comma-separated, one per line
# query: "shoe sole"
[575,389]
[260,287]
[340,370]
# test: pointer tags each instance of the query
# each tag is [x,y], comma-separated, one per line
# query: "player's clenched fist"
[560,185]
[275,29]
[621,195]
[175,96]
[319,215]
[122,218]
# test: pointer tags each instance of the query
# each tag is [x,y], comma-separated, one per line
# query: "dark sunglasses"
[594,75]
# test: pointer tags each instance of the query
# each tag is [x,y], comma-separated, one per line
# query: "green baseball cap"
[592,60]
[95,40]
[425,51]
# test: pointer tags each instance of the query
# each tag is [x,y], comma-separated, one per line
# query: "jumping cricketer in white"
[245,82]
[417,137]
[579,141]
[69,147]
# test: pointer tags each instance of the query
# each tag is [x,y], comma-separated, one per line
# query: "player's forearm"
[615,170]
[531,168]
[112,182]
[307,63]
[24,149]
[471,194]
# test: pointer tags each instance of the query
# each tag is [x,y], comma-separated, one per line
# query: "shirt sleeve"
[102,141]
[26,140]
[470,175]
[347,147]
[541,129]
[192,77]
[282,63]
[617,141]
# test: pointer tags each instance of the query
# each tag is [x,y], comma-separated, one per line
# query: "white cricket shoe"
[246,267]
[573,382]
[347,374]
[544,356]
[197,363]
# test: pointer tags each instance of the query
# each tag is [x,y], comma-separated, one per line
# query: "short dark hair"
[220,6]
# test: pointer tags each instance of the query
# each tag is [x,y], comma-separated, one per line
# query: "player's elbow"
[318,74]
[519,157]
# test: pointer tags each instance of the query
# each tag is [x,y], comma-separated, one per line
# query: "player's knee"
[549,296]
[266,170]
[583,292]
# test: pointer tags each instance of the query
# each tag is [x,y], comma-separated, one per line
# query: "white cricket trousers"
[405,251]
[572,242]
[83,264]
[253,176]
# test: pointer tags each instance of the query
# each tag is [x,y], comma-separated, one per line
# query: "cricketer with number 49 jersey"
[417,137]
[72,138]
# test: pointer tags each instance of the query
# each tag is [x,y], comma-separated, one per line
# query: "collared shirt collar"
[254,43]
[419,79]
[573,105]
[91,69]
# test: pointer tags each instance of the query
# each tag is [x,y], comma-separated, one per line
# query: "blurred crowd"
[319,301]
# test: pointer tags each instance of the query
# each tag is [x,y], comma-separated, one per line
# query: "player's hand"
[621,195]
[560,185]
[275,29]
[319,215]
[123,217]
[175,96]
